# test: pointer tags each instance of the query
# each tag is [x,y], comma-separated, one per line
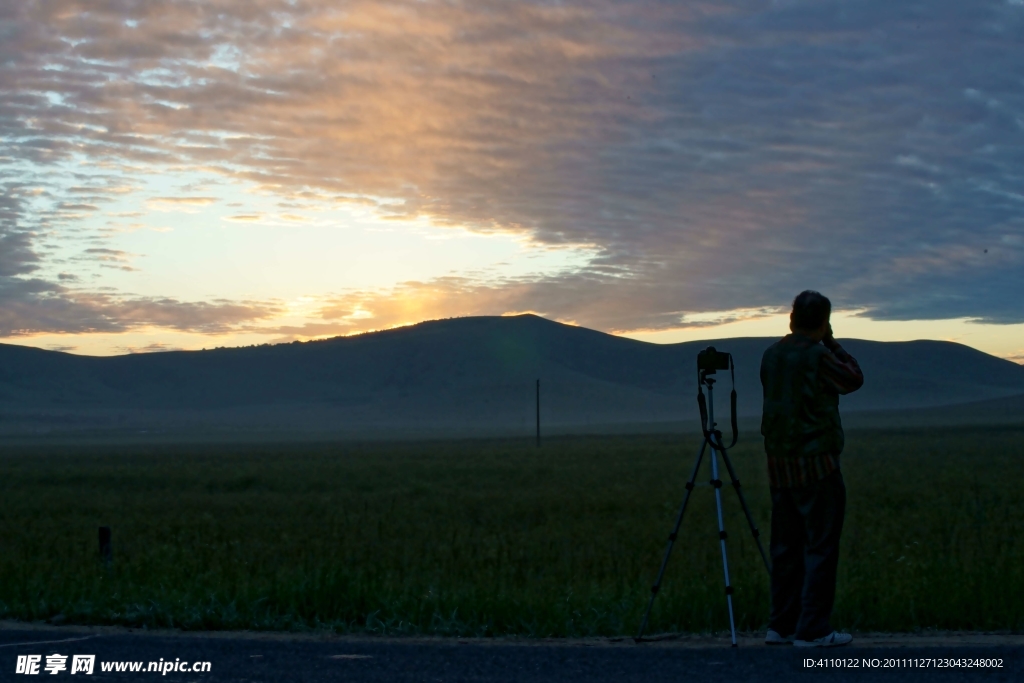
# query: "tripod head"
[709,361]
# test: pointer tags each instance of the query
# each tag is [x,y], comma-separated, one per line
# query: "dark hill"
[464,374]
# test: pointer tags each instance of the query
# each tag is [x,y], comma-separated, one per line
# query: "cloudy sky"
[198,173]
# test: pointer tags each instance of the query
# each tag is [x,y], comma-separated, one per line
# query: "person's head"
[810,315]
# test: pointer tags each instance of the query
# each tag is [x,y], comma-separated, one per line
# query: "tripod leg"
[671,540]
[746,511]
[717,483]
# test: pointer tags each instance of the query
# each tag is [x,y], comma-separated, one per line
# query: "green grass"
[493,537]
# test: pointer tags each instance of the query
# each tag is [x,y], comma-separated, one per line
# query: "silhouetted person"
[803,375]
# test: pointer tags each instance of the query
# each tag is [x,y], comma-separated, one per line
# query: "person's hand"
[829,340]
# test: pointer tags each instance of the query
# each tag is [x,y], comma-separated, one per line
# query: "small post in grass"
[106,547]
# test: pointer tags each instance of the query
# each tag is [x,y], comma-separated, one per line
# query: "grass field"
[493,537]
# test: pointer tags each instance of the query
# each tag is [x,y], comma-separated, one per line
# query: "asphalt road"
[254,657]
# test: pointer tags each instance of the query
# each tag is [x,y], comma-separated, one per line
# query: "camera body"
[709,361]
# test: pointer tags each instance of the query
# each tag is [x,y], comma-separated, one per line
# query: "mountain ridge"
[460,371]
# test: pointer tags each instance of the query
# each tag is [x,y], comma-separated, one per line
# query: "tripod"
[708,361]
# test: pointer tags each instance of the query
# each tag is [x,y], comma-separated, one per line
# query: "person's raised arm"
[839,369]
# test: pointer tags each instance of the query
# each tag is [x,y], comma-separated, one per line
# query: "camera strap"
[714,436]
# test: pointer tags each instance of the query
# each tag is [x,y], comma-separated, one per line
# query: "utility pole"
[538,413]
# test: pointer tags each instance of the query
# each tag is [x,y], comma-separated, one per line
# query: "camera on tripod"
[709,360]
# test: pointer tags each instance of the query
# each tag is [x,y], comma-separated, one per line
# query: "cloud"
[102,254]
[711,155]
[155,347]
[308,330]
[579,298]
[178,203]
[33,306]
[16,255]
[714,319]
[61,348]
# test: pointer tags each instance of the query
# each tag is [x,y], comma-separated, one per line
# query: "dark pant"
[806,524]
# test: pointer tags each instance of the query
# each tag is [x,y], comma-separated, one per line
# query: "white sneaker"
[775,638]
[834,639]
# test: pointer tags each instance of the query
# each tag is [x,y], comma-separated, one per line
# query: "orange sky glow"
[179,177]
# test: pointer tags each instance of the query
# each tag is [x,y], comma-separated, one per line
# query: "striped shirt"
[838,373]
